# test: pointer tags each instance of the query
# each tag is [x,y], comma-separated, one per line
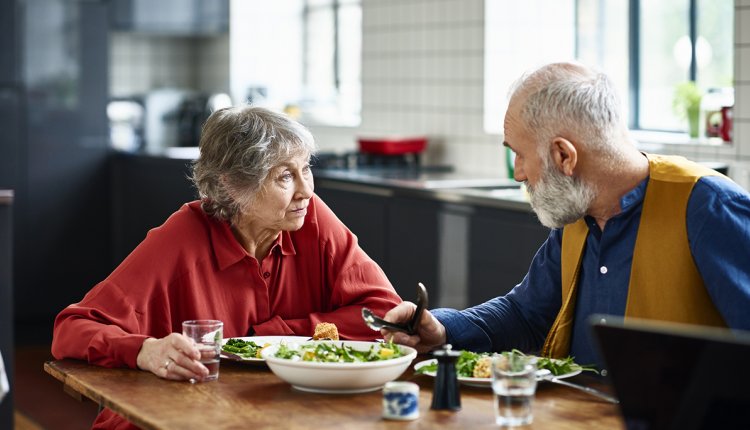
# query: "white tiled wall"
[423,73]
[141,62]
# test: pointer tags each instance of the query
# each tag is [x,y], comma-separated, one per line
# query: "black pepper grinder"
[445,393]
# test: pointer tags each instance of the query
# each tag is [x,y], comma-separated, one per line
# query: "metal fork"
[376,323]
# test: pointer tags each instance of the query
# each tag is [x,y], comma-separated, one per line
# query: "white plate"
[340,378]
[262,340]
[487,382]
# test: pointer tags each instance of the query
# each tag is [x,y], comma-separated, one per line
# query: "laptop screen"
[676,376]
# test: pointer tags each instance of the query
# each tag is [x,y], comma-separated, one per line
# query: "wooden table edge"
[71,387]
[71,384]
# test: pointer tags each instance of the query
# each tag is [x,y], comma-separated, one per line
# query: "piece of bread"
[326,331]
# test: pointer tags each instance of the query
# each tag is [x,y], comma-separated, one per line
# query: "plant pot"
[693,116]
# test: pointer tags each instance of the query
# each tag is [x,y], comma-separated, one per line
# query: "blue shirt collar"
[634,197]
[631,200]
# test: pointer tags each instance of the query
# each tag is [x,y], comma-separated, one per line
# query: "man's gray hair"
[238,148]
[572,101]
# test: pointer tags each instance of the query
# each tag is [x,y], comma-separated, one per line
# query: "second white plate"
[482,382]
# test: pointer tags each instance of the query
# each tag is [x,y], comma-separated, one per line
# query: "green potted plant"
[687,104]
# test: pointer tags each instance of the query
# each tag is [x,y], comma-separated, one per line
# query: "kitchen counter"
[443,186]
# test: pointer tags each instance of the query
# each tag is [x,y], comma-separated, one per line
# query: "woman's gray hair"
[571,101]
[238,148]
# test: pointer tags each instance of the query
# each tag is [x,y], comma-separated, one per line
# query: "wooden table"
[249,396]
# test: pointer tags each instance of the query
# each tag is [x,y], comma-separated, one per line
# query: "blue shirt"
[718,226]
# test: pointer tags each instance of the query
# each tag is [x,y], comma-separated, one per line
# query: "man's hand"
[172,357]
[430,332]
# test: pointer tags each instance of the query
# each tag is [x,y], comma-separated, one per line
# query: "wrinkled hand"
[172,357]
[430,332]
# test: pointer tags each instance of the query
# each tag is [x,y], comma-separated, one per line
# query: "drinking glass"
[514,386]
[207,335]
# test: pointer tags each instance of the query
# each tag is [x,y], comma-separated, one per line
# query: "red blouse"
[192,267]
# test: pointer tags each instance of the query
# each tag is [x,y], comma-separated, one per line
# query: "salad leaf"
[329,352]
[243,348]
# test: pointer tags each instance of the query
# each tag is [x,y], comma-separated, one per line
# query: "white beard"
[558,199]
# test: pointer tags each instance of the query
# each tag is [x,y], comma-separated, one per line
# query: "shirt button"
[266,275]
[603,270]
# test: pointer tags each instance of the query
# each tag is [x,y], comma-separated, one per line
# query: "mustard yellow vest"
[664,282]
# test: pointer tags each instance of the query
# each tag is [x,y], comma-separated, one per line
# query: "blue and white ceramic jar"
[401,401]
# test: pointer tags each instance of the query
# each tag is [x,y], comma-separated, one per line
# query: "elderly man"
[633,234]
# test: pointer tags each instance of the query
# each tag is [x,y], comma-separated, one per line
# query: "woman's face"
[281,203]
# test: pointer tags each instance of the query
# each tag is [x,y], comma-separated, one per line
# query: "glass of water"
[207,335]
[514,386]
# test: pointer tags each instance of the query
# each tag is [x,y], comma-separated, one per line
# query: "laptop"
[676,376]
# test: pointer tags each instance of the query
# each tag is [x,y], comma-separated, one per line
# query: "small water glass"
[207,335]
[514,387]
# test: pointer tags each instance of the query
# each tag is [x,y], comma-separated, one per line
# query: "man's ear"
[565,155]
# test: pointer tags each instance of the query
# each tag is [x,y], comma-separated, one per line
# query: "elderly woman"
[259,251]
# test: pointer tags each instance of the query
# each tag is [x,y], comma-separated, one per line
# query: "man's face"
[556,198]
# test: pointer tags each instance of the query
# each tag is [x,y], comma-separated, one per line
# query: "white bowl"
[342,378]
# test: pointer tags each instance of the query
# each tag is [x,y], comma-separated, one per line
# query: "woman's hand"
[430,332]
[172,357]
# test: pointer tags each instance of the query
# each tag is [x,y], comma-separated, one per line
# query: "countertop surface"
[442,185]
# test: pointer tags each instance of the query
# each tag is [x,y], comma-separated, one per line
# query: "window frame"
[634,58]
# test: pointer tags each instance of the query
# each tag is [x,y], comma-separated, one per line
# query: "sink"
[515,186]
[470,183]
[507,192]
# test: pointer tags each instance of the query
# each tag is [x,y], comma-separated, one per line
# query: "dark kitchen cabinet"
[53,153]
[412,246]
[6,304]
[502,244]
[146,190]
[399,233]
[363,209]
[464,253]
[8,43]
[171,17]
[11,117]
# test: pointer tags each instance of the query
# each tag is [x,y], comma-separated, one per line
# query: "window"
[648,52]
[332,61]
[520,36]
[302,56]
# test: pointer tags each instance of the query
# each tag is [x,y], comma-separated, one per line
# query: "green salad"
[476,364]
[330,352]
[243,348]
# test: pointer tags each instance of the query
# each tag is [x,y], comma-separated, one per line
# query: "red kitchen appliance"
[392,145]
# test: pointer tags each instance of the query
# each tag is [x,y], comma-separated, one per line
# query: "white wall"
[423,73]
